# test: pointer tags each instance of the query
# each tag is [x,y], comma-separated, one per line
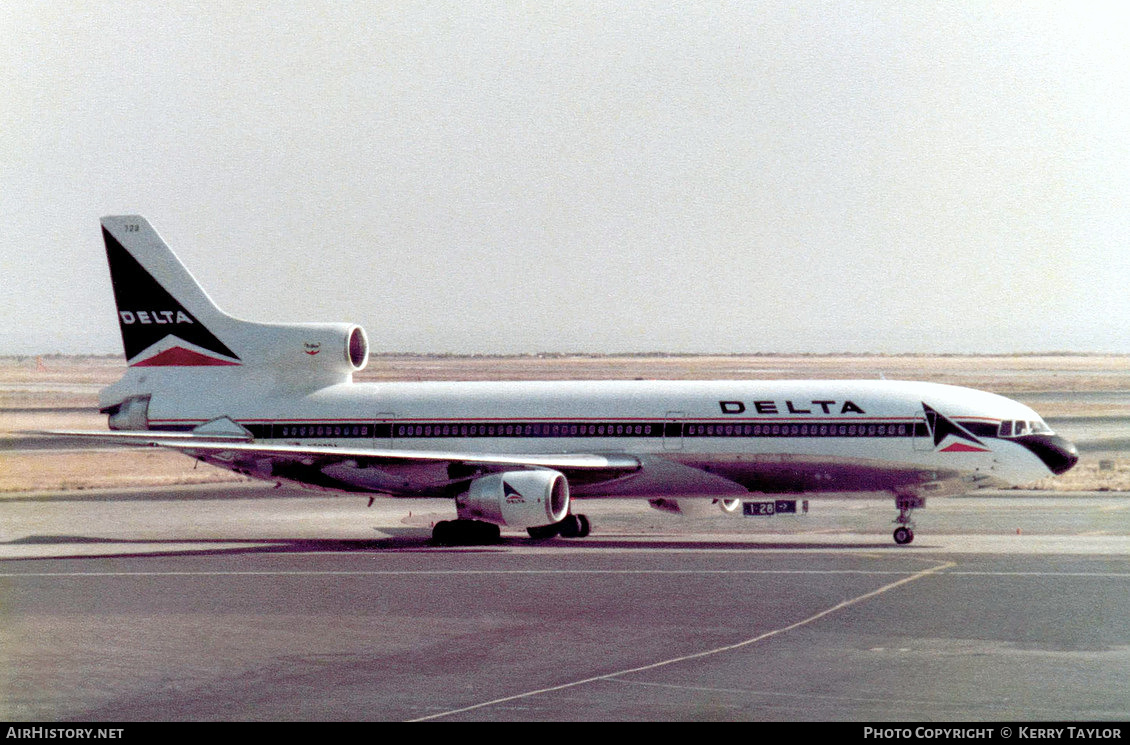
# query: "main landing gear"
[479,532]
[465,533]
[904,533]
[573,526]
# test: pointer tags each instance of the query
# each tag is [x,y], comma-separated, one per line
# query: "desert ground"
[1085,397]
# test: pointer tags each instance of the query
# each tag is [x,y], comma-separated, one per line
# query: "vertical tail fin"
[166,318]
[168,322]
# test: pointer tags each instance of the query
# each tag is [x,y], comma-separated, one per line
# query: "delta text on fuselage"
[816,406]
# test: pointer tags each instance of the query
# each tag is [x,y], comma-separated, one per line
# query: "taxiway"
[248,603]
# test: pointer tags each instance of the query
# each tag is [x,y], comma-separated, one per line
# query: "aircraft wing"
[561,461]
[233,447]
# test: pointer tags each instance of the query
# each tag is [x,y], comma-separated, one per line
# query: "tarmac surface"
[249,603]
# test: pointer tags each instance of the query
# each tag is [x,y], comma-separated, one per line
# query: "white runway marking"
[699,655]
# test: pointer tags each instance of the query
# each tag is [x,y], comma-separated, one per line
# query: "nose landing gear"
[904,533]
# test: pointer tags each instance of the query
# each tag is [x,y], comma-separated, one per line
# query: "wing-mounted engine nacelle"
[695,507]
[519,499]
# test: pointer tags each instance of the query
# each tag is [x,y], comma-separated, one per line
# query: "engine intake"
[357,349]
[519,499]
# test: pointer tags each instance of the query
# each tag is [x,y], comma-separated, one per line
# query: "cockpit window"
[1021,427]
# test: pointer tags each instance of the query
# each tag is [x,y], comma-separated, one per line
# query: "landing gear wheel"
[570,527]
[488,533]
[574,526]
[465,533]
[543,532]
[906,503]
[443,534]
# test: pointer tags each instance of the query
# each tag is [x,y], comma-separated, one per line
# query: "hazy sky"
[574,176]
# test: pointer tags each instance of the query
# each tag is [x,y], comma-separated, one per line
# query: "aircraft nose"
[1057,453]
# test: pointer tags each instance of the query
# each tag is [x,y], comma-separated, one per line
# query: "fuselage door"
[673,430]
[922,436]
[384,423]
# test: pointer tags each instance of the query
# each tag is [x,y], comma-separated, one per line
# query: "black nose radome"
[1057,453]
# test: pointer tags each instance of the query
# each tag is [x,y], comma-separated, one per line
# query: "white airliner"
[278,402]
